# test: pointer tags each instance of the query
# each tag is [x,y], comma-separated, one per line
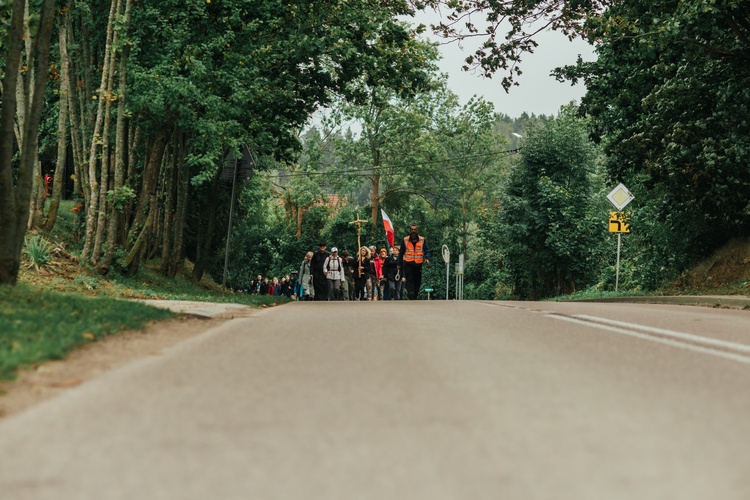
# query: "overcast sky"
[538,92]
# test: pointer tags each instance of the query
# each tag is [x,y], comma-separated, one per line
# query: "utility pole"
[235,169]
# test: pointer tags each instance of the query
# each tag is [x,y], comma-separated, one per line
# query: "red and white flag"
[389,233]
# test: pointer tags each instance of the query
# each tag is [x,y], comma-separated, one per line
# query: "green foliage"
[486,279]
[341,233]
[507,29]
[551,226]
[38,251]
[669,100]
[39,325]
[120,197]
[241,71]
[439,164]
[87,282]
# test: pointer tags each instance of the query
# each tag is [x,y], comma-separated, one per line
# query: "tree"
[668,98]
[385,103]
[15,196]
[507,29]
[466,163]
[551,232]
[224,74]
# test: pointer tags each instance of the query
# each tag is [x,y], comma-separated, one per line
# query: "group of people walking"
[370,275]
[285,286]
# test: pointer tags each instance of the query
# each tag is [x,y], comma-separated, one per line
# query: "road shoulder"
[38,383]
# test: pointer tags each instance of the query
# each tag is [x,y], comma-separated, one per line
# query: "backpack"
[328,270]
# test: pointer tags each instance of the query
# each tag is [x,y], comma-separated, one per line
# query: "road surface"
[409,400]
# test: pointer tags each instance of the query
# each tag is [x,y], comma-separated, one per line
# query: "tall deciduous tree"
[507,29]
[669,99]
[470,162]
[243,72]
[383,109]
[15,196]
[62,124]
[550,230]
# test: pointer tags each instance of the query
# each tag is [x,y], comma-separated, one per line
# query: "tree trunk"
[115,219]
[300,213]
[9,258]
[150,178]
[205,250]
[62,127]
[464,224]
[76,129]
[133,259]
[24,93]
[134,138]
[92,210]
[183,178]
[143,223]
[170,185]
[14,202]
[157,234]
[375,179]
[25,77]
[375,202]
[101,223]
[38,195]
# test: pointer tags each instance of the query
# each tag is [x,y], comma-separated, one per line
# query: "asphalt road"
[426,400]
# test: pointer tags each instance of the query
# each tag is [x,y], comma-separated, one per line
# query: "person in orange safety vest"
[414,253]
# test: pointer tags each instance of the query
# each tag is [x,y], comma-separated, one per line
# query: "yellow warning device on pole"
[619,222]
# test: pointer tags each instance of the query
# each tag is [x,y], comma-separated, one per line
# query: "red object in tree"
[47,183]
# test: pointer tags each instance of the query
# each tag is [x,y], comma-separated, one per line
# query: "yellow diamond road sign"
[620,196]
[619,222]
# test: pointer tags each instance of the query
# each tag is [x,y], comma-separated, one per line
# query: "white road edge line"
[721,344]
[674,343]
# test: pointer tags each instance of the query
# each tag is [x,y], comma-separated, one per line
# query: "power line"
[368,171]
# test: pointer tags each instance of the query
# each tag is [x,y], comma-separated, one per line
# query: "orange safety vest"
[414,252]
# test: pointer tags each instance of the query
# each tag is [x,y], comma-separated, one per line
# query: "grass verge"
[39,325]
[60,304]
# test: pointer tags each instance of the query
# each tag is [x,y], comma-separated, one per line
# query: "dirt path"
[49,379]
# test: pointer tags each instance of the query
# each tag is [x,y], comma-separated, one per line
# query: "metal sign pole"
[460,291]
[447,279]
[617,271]
[620,197]
[447,260]
[458,276]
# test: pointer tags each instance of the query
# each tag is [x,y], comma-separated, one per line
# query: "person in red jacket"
[379,285]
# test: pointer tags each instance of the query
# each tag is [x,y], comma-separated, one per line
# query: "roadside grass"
[38,325]
[593,293]
[56,308]
[59,303]
[739,287]
[147,284]
[64,273]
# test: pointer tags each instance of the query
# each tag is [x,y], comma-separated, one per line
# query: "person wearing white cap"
[334,270]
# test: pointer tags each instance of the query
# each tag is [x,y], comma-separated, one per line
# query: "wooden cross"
[359,223]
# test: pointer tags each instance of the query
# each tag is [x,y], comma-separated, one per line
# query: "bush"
[39,252]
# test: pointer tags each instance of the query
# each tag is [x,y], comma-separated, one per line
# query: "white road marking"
[709,342]
[658,335]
